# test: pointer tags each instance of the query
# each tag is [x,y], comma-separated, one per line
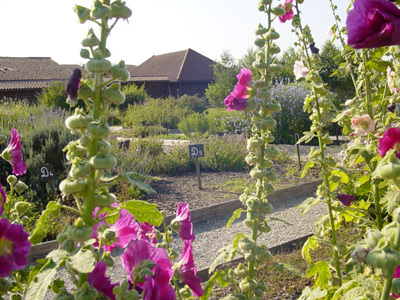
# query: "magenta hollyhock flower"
[13,154]
[396,275]
[346,199]
[14,247]
[155,287]
[287,5]
[183,216]
[74,83]
[146,232]
[237,100]
[100,281]
[373,23]
[362,125]
[3,198]
[390,140]
[125,228]
[188,270]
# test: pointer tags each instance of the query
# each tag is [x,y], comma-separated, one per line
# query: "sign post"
[196,151]
[47,174]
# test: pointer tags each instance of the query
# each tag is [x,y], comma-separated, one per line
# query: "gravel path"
[211,235]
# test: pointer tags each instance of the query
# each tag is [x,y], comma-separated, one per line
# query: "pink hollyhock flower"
[287,5]
[346,199]
[373,23]
[300,70]
[125,231]
[390,75]
[183,216]
[396,275]
[237,100]
[3,198]
[13,154]
[390,140]
[188,270]
[147,232]
[362,125]
[74,83]
[100,281]
[14,247]
[155,287]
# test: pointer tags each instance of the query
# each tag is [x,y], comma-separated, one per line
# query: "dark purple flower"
[373,23]
[188,270]
[391,107]
[100,281]
[13,154]
[74,83]
[3,198]
[14,247]
[183,216]
[390,140]
[237,100]
[346,199]
[313,49]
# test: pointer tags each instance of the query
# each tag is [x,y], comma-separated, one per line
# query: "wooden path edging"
[42,249]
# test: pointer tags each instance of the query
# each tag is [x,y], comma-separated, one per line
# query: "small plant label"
[47,172]
[196,150]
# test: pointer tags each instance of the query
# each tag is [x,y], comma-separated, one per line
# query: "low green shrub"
[194,125]
[133,95]
[194,103]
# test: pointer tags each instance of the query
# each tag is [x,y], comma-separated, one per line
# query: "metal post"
[198,173]
[296,137]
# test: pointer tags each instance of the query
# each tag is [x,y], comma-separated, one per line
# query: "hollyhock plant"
[14,247]
[100,281]
[390,74]
[183,216]
[373,23]
[125,229]
[146,231]
[346,199]
[157,286]
[237,100]
[2,199]
[299,70]
[390,140]
[13,154]
[188,270]
[287,6]
[362,125]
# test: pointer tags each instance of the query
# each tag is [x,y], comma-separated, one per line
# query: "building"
[174,74]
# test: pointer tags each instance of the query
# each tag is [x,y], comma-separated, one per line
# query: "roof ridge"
[183,62]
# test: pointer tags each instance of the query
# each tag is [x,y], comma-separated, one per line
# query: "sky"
[50,28]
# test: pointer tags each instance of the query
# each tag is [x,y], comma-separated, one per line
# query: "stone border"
[42,249]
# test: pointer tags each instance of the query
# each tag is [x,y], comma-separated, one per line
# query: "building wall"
[30,95]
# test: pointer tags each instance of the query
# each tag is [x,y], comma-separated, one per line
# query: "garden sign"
[196,151]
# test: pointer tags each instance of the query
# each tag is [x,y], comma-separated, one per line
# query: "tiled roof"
[186,65]
[25,84]
[149,78]
[71,68]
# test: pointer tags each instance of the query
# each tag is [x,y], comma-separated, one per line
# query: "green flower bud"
[99,129]
[274,49]
[274,107]
[15,297]
[86,292]
[20,187]
[259,84]
[264,228]
[120,10]
[253,203]
[91,39]
[85,53]
[278,11]
[85,91]
[22,207]
[64,295]
[68,245]
[389,231]
[104,199]
[255,142]
[275,68]
[264,94]
[120,72]
[266,2]
[108,236]
[175,225]
[272,35]
[103,146]
[259,42]
[114,94]
[259,64]
[359,254]
[396,286]
[268,122]
[75,151]
[383,258]
[80,168]
[100,11]
[247,285]
[269,138]
[260,30]
[251,158]
[70,186]
[98,64]
[79,232]
[11,179]
[257,172]
[103,161]
[249,257]
[268,187]
[396,215]
[83,13]
[271,175]
[266,208]
[246,244]
[372,238]
[389,166]
[271,152]
[241,271]
[5,286]
[78,121]
[61,237]
[248,223]
[393,202]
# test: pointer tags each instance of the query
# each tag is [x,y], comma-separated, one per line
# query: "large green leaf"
[307,204]
[40,278]
[135,180]
[84,260]
[210,284]
[235,215]
[143,211]
[321,269]
[310,244]
[307,294]
[40,232]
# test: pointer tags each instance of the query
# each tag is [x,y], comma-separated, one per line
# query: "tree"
[286,60]
[225,71]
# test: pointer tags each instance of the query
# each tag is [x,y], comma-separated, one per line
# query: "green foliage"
[143,212]
[54,96]
[194,125]
[159,112]
[133,95]
[286,60]
[193,103]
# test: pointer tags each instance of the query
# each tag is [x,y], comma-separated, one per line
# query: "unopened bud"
[20,187]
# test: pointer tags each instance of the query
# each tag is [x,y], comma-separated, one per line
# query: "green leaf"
[308,165]
[306,138]
[58,255]
[281,267]
[280,220]
[321,269]
[135,179]
[112,215]
[310,244]
[235,215]
[215,262]
[307,294]
[39,279]
[210,284]
[236,240]
[40,232]
[307,204]
[223,280]
[143,211]
[83,261]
